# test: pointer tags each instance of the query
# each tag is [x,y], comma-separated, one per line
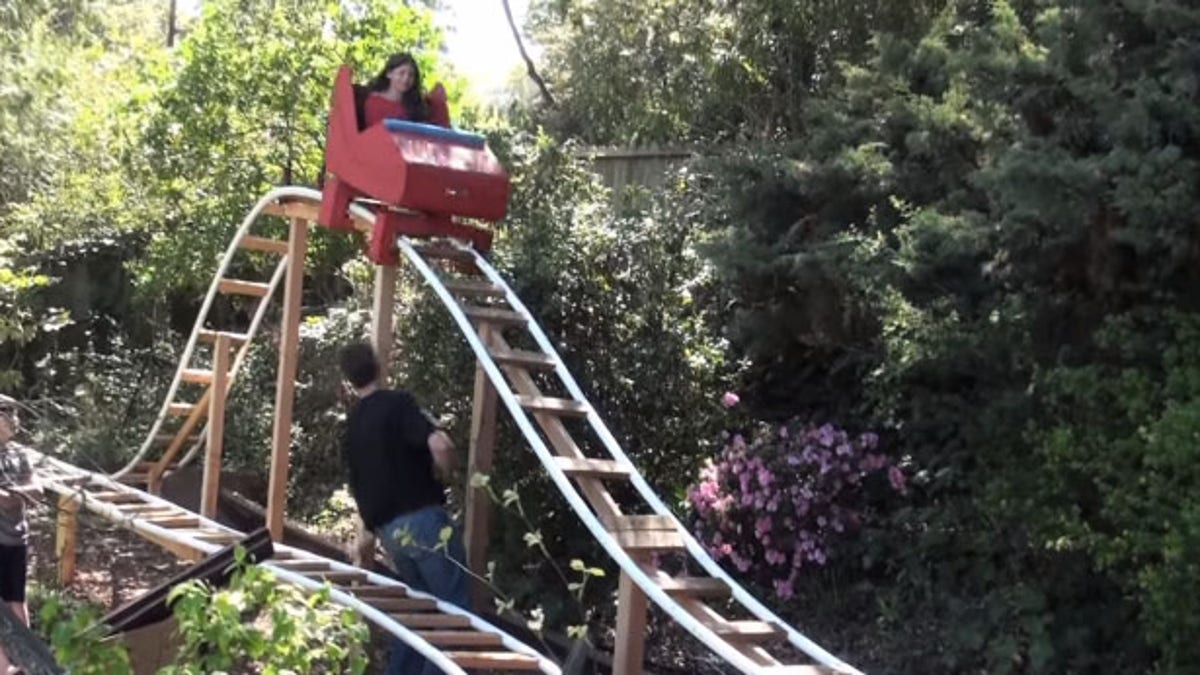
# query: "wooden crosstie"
[456,638]
[515,364]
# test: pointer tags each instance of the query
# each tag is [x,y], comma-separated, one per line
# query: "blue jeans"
[410,539]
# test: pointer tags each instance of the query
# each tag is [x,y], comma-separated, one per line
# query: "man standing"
[391,450]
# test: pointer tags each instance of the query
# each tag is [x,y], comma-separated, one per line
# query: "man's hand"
[362,551]
[442,449]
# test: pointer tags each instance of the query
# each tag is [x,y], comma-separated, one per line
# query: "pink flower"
[784,589]
[897,479]
[730,399]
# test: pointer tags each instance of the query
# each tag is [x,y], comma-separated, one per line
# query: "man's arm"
[442,449]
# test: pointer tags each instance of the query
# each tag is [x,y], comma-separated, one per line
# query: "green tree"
[245,110]
[678,70]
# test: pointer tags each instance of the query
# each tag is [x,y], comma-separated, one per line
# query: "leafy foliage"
[256,620]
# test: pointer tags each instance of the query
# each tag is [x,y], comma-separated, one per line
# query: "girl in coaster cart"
[396,93]
[17,485]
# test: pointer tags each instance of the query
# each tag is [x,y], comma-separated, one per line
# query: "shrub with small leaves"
[772,507]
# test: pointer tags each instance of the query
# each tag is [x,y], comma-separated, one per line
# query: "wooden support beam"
[65,537]
[630,651]
[381,318]
[210,486]
[479,460]
[285,383]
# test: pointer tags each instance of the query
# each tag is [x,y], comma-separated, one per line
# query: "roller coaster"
[416,194]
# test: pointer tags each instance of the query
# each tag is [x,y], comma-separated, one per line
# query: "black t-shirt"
[387,451]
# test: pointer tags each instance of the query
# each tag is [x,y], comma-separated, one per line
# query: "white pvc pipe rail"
[694,547]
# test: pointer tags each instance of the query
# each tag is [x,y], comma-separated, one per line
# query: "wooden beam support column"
[382,318]
[216,427]
[479,460]
[65,537]
[630,651]
[285,384]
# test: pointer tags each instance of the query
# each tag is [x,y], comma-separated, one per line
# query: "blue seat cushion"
[434,131]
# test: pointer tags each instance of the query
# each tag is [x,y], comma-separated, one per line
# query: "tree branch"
[529,67]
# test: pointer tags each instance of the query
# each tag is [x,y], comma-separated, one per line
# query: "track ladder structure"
[483,306]
[182,420]
[451,638]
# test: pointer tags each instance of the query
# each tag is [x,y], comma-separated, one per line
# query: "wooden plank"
[695,587]
[498,317]
[747,631]
[243,287]
[479,461]
[263,244]
[211,481]
[646,534]
[210,336]
[473,288]
[557,406]
[630,650]
[461,638]
[433,620]
[493,661]
[146,509]
[364,592]
[116,497]
[308,211]
[641,522]
[173,522]
[402,605]
[289,347]
[645,541]
[536,361]
[606,469]
[197,375]
[292,210]
[337,577]
[66,530]
[180,409]
[217,536]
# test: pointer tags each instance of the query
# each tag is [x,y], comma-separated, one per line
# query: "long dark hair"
[413,99]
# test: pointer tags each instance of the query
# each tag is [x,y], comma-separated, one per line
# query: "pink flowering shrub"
[772,507]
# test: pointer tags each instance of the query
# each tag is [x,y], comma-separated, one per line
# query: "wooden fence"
[647,167]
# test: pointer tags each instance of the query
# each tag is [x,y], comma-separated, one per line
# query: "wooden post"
[216,427]
[381,318]
[65,537]
[479,460]
[631,628]
[285,383]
